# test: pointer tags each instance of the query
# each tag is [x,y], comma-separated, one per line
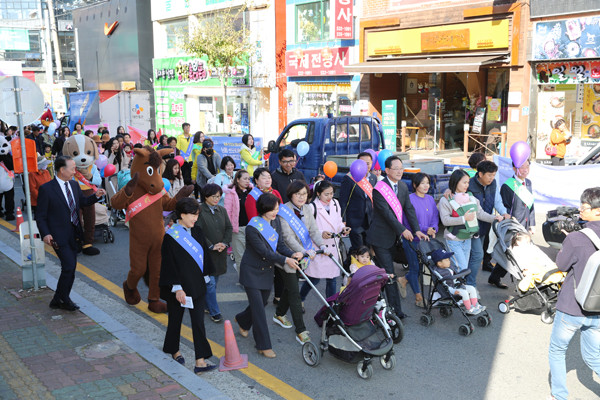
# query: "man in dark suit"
[58,221]
[357,206]
[386,229]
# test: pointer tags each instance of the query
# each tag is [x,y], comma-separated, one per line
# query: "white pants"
[467,292]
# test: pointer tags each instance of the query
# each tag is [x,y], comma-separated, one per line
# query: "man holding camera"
[570,317]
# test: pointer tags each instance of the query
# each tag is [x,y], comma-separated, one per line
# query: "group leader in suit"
[391,204]
[59,223]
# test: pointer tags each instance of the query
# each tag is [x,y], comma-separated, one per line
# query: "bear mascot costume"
[84,152]
[7,178]
[145,199]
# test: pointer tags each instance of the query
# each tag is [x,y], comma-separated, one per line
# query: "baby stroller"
[356,324]
[102,219]
[542,297]
[440,295]
[112,187]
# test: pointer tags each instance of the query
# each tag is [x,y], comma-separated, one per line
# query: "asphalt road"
[507,360]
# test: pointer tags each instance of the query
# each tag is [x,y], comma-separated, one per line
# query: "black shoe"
[55,304]
[498,284]
[90,251]
[179,359]
[209,367]
[70,306]
[487,267]
[216,318]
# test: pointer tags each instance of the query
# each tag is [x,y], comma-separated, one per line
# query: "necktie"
[396,188]
[74,216]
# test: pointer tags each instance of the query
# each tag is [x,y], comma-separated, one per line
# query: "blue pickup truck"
[339,136]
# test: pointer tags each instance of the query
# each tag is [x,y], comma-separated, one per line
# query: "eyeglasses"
[584,208]
[215,196]
[397,169]
[288,162]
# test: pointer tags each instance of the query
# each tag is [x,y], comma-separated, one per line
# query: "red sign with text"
[317,62]
[343,19]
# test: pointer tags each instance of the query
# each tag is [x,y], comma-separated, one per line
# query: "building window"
[176,31]
[312,21]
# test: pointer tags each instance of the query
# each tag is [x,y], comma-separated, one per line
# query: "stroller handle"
[335,261]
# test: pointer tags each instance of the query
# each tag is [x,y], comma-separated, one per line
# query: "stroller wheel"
[465,329]
[364,369]
[445,311]
[390,363]
[105,236]
[111,237]
[311,354]
[483,320]
[396,328]
[547,317]
[503,307]
[426,320]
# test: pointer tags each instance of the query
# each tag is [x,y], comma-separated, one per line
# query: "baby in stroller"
[536,264]
[468,293]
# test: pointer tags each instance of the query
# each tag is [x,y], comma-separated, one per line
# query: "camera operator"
[570,317]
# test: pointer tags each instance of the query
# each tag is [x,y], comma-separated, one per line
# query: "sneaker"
[282,321]
[481,307]
[303,337]
[473,310]
[216,318]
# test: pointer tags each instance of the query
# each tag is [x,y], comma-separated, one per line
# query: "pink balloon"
[109,170]
[519,153]
[180,160]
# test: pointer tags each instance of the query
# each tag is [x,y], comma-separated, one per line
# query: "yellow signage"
[468,36]
[325,88]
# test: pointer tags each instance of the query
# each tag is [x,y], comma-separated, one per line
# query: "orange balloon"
[330,169]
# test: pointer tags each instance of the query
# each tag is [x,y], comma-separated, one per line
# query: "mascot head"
[147,163]
[4,146]
[46,119]
[82,149]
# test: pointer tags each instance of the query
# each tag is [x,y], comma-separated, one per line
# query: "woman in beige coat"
[297,192]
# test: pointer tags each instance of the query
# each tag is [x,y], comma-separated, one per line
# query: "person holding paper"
[184,271]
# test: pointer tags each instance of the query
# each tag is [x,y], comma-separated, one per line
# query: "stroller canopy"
[500,241]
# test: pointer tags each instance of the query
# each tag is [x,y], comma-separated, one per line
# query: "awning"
[415,65]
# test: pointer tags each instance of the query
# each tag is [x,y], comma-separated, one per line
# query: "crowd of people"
[268,222]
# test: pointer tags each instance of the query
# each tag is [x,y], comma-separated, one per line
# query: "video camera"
[563,218]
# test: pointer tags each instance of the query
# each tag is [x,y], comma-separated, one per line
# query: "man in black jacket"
[570,317]
[286,173]
[386,229]
[357,206]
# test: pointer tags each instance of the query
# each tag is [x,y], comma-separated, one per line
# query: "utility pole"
[46,46]
[59,70]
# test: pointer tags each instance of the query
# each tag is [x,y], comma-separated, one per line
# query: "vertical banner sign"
[83,106]
[389,114]
[344,19]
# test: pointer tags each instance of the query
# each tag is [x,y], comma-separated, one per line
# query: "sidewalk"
[55,354]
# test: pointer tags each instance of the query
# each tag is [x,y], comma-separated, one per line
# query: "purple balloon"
[358,170]
[102,161]
[373,154]
[519,153]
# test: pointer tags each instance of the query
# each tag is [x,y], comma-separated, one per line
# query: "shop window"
[296,133]
[312,21]
[176,31]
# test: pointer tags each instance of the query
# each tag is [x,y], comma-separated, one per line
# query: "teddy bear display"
[7,178]
[84,152]
[145,199]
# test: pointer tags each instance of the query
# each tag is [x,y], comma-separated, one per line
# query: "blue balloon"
[102,172]
[51,129]
[167,184]
[384,155]
[302,148]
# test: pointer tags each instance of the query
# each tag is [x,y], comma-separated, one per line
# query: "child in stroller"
[536,263]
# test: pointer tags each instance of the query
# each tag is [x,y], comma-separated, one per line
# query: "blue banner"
[266,231]
[297,226]
[84,107]
[189,244]
[256,193]
[231,146]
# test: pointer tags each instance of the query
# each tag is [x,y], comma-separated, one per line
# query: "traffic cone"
[19,219]
[233,359]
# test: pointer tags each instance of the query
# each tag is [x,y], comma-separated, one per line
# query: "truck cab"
[327,137]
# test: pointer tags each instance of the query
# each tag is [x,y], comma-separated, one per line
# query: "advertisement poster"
[590,120]
[568,72]
[84,107]
[317,62]
[231,146]
[170,109]
[493,110]
[550,106]
[478,120]
[568,38]
[389,122]
[343,19]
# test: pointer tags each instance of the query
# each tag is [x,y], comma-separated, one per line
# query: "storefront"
[187,90]
[443,78]
[317,83]
[567,82]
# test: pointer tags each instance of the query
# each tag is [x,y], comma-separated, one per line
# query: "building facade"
[464,69]
[188,90]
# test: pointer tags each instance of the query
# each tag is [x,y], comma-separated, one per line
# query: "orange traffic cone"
[19,219]
[233,359]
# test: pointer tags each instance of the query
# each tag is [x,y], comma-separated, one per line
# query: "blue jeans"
[565,326]
[461,250]
[211,296]
[475,259]
[330,287]
[413,266]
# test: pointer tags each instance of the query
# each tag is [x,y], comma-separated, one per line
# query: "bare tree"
[223,39]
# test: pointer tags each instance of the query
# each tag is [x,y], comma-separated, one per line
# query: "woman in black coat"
[183,274]
[264,248]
